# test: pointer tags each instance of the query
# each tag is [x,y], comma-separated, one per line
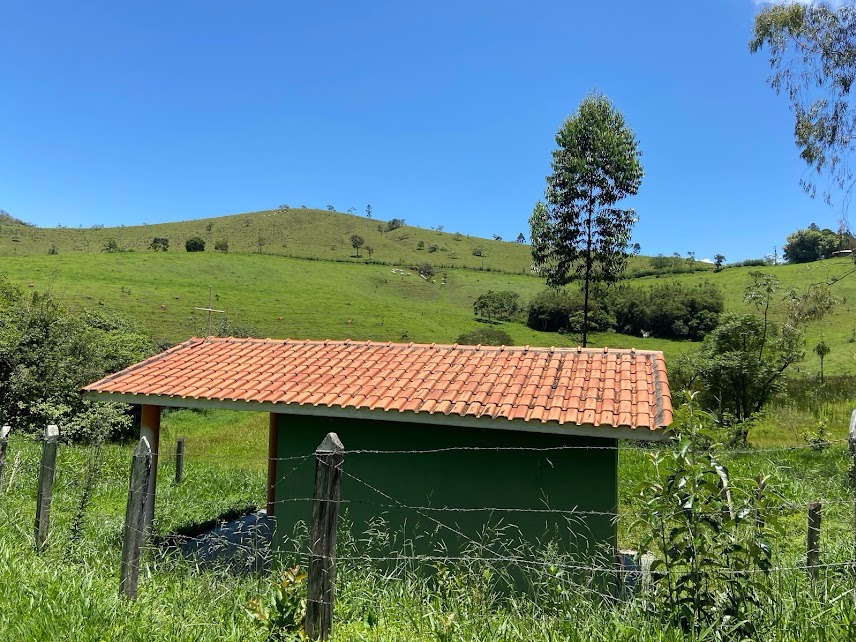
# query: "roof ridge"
[429,346]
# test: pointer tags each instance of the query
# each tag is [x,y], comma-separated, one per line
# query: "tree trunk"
[587,276]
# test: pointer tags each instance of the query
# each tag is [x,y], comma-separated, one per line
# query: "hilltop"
[307,282]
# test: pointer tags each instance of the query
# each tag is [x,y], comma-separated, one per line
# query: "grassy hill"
[337,295]
[301,233]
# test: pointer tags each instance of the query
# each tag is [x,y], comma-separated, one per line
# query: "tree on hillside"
[821,349]
[330,208]
[394,224]
[521,238]
[811,244]
[194,244]
[222,245]
[369,250]
[812,49]
[579,233]
[357,242]
[368,211]
[159,244]
[743,360]
[718,260]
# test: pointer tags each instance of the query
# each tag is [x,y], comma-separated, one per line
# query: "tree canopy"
[812,49]
[579,233]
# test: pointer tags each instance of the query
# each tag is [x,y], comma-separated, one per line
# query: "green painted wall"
[558,479]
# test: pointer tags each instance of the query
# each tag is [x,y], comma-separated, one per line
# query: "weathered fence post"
[812,542]
[4,436]
[179,459]
[852,445]
[135,511]
[321,579]
[46,480]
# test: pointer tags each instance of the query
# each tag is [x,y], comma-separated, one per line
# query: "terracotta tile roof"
[577,386]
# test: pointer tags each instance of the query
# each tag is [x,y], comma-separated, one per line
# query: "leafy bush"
[562,311]
[710,535]
[159,244]
[284,616]
[394,224]
[48,354]
[670,310]
[222,245]
[426,270]
[497,305]
[813,243]
[486,337]
[111,246]
[194,244]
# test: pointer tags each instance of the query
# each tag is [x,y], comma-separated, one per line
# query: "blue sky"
[441,113]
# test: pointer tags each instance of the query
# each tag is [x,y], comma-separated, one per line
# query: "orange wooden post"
[150,420]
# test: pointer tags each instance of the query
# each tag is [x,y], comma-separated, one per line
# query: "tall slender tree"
[579,233]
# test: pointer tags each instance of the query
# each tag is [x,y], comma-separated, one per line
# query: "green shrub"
[49,353]
[195,244]
[668,310]
[222,245]
[562,311]
[497,305]
[710,535]
[159,244]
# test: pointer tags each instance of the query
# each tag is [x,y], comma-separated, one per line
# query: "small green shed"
[441,441]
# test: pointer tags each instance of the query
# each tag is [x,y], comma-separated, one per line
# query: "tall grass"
[71,590]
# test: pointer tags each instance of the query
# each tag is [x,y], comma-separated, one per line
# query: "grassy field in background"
[281,297]
[838,329]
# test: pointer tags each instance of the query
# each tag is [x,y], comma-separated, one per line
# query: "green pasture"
[70,591]
[279,297]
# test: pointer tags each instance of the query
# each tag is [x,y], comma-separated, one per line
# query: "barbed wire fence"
[251,538]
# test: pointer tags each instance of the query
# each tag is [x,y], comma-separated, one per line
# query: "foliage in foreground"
[710,534]
[47,353]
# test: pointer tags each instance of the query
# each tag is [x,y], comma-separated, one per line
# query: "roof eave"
[500,423]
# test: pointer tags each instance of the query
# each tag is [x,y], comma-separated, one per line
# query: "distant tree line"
[668,310]
[813,244]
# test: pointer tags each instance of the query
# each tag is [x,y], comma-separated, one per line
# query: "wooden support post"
[179,459]
[46,480]
[135,512]
[812,542]
[4,436]
[321,579]
[150,418]
[852,445]
[273,447]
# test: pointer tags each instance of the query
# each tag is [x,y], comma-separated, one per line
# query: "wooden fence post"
[321,579]
[46,480]
[852,445]
[179,459]
[812,542]
[135,511]
[4,436]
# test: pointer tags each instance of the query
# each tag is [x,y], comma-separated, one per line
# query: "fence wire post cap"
[51,432]
[331,444]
